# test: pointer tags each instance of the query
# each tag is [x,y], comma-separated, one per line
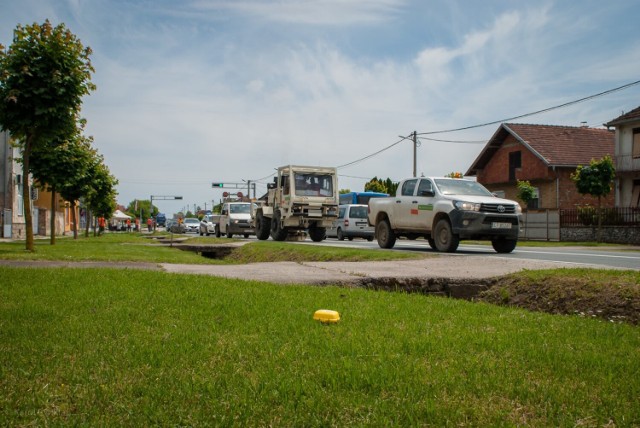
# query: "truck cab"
[301,198]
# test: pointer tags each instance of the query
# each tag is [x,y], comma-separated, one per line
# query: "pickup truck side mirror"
[224,212]
[271,185]
[427,193]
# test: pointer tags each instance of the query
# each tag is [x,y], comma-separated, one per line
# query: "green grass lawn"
[134,247]
[101,347]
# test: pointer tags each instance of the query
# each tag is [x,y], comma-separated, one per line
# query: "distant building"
[627,148]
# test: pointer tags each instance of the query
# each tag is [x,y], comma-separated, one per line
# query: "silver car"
[191,225]
[207,225]
[351,223]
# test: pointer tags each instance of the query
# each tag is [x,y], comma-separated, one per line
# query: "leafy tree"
[63,167]
[101,196]
[596,180]
[382,186]
[136,207]
[526,192]
[43,76]
[343,191]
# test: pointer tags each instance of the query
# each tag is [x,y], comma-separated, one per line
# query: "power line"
[495,122]
[590,97]
[374,154]
[454,141]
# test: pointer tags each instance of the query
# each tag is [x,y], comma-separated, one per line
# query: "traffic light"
[217,185]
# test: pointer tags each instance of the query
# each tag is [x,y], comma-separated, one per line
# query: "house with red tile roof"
[544,155]
[627,147]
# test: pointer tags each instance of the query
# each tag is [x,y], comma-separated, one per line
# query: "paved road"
[607,257]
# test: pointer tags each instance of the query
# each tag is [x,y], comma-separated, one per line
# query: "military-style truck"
[301,198]
[444,211]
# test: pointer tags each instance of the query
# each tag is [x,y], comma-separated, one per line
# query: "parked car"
[191,225]
[351,223]
[208,224]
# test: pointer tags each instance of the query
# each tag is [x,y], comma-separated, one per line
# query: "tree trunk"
[87,217]
[53,216]
[26,194]
[74,219]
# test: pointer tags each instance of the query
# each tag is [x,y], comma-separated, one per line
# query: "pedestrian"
[149,224]
[128,225]
[101,224]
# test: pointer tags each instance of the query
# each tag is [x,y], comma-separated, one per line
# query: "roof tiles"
[565,145]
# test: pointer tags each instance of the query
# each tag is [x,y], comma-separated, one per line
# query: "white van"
[351,223]
[235,218]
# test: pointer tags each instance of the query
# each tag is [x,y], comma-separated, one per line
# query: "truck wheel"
[504,245]
[263,226]
[317,234]
[385,235]
[432,243]
[444,238]
[340,234]
[278,232]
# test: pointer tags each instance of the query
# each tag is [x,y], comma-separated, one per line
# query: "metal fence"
[588,216]
[540,225]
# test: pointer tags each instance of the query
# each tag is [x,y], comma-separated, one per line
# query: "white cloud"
[312,12]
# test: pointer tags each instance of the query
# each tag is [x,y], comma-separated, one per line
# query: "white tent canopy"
[119,215]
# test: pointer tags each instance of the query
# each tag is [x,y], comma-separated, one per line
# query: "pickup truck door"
[403,209]
[422,206]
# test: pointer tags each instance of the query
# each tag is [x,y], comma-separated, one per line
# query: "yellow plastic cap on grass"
[326,315]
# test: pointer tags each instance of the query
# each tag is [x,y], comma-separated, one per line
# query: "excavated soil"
[616,301]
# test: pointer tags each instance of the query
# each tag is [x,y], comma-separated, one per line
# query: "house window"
[635,195]
[515,162]
[636,143]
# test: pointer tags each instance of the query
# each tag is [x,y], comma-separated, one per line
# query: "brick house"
[544,155]
[627,147]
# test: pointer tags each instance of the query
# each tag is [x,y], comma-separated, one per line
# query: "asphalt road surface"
[625,257]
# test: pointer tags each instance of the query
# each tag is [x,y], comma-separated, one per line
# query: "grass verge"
[107,347]
[133,247]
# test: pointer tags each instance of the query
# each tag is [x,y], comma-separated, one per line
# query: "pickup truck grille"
[498,208]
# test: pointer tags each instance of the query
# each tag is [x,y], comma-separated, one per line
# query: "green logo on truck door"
[428,207]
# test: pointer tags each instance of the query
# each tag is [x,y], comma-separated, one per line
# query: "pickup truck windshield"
[240,208]
[461,187]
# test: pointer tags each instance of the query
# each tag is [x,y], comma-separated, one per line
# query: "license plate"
[497,225]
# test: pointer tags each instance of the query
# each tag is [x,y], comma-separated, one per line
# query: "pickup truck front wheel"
[504,245]
[444,238]
[385,235]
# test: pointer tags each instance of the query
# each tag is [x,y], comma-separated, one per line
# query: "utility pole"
[415,153]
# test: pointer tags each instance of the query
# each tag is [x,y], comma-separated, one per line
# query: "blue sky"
[199,91]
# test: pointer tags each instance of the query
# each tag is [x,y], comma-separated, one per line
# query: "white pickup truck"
[444,211]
